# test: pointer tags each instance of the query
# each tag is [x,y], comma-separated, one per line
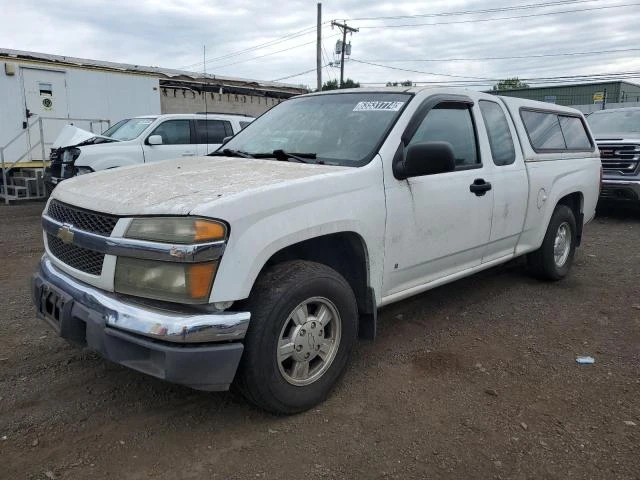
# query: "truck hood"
[604,137]
[176,187]
[71,136]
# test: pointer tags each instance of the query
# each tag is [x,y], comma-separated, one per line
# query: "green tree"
[333,84]
[510,84]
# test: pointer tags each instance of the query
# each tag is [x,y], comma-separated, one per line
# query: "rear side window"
[575,135]
[555,132]
[453,124]
[500,139]
[213,131]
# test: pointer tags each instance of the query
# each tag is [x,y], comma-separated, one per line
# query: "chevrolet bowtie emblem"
[65,234]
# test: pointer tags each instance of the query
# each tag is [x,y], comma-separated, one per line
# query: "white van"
[139,140]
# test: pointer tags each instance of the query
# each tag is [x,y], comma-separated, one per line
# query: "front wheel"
[304,324]
[552,261]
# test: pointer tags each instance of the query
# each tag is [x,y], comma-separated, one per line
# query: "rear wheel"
[552,261]
[303,328]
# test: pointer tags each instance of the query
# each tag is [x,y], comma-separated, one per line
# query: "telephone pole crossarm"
[345,29]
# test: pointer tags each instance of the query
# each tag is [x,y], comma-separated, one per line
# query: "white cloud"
[171,33]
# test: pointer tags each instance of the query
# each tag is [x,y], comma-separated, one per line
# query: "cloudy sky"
[268,40]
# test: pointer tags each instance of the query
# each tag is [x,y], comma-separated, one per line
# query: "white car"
[139,140]
[262,264]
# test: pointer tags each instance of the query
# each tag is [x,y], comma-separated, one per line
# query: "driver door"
[437,226]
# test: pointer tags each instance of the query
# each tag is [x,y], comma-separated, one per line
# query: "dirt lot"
[476,379]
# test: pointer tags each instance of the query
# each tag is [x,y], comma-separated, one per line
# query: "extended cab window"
[213,131]
[500,139]
[174,132]
[450,123]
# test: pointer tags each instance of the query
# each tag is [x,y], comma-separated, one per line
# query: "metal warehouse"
[580,94]
[40,93]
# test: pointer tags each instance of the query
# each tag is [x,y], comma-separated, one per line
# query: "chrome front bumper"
[160,324]
[200,350]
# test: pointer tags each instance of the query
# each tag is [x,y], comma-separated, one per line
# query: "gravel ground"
[476,379]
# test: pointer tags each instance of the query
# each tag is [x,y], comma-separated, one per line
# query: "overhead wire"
[512,57]
[475,12]
[479,20]
[296,74]
[284,38]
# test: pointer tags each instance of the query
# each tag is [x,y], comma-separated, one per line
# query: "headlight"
[182,230]
[167,281]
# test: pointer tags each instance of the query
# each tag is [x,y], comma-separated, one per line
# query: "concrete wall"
[182,100]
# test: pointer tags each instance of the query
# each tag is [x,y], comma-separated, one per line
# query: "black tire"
[542,262]
[276,294]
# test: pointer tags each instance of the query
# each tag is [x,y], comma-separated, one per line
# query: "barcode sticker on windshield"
[378,106]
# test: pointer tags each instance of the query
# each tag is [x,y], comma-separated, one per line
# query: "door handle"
[479,187]
[188,154]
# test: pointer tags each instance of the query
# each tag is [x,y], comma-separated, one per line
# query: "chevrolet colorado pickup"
[260,265]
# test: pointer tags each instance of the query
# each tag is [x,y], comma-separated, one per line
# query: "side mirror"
[155,140]
[226,139]
[426,158]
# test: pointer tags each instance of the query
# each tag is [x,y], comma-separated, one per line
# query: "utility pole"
[318,47]
[345,29]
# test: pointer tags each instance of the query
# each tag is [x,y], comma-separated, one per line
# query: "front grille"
[93,222]
[79,258]
[620,158]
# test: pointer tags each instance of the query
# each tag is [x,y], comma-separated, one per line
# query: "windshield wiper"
[287,156]
[227,152]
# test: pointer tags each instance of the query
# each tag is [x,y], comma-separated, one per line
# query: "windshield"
[340,129]
[615,121]
[128,129]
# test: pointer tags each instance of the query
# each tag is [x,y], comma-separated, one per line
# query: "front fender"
[264,230]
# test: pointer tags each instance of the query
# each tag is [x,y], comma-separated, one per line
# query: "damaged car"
[138,140]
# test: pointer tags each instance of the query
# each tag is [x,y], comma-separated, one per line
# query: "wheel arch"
[346,252]
[575,201]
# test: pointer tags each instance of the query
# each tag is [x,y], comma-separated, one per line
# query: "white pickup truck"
[144,139]
[261,265]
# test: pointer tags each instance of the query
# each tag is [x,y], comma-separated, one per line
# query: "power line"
[587,78]
[567,54]
[295,74]
[472,12]
[418,71]
[409,25]
[327,59]
[478,80]
[269,54]
[284,38]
